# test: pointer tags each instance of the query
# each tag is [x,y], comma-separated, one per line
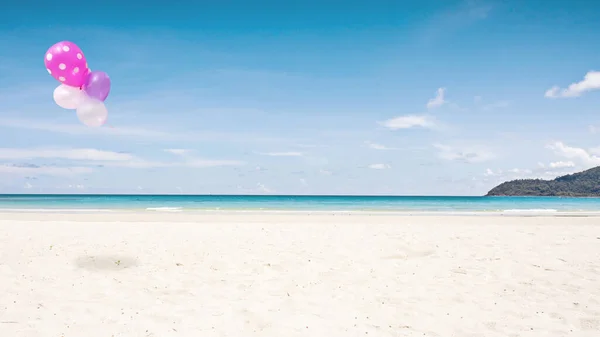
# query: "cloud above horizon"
[410,121]
[471,154]
[36,170]
[586,158]
[438,100]
[590,82]
[88,160]
[380,166]
[74,154]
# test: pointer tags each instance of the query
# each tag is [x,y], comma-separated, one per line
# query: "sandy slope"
[298,275]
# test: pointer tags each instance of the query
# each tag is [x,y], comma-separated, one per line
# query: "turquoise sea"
[185,203]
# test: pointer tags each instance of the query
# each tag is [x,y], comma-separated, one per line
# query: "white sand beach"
[157,274]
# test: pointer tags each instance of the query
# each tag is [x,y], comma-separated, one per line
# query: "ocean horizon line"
[253,195]
[293,195]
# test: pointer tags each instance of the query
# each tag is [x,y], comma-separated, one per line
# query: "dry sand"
[241,275]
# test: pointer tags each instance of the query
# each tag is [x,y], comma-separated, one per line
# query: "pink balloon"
[66,63]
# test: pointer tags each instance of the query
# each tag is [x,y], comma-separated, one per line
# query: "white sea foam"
[499,212]
[165,209]
[533,210]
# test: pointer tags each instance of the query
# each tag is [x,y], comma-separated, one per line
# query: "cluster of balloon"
[80,89]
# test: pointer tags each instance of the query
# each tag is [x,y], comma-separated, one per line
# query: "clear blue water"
[296,203]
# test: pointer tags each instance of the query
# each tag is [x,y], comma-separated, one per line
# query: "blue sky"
[312,97]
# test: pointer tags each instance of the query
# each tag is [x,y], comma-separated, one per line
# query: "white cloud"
[379,166]
[376,146]
[515,172]
[263,189]
[595,151]
[468,154]
[281,154]
[556,165]
[490,173]
[519,172]
[179,152]
[438,100]
[27,185]
[410,121]
[259,188]
[148,134]
[590,82]
[586,158]
[199,163]
[325,172]
[542,172]
[195,163]
[73,154]
[561,164]
[76,129]
[593,129]
[101,158]
[33,170]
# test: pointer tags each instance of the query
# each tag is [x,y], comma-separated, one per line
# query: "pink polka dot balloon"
[66,63]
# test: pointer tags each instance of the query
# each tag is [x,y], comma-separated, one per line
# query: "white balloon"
[92,112]
[68,97]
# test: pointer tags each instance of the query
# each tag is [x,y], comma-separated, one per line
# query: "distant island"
[581,184]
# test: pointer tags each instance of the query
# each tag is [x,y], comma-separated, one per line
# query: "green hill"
[581,184]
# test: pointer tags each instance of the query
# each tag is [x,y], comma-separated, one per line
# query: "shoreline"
[278,217]
[274,212]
